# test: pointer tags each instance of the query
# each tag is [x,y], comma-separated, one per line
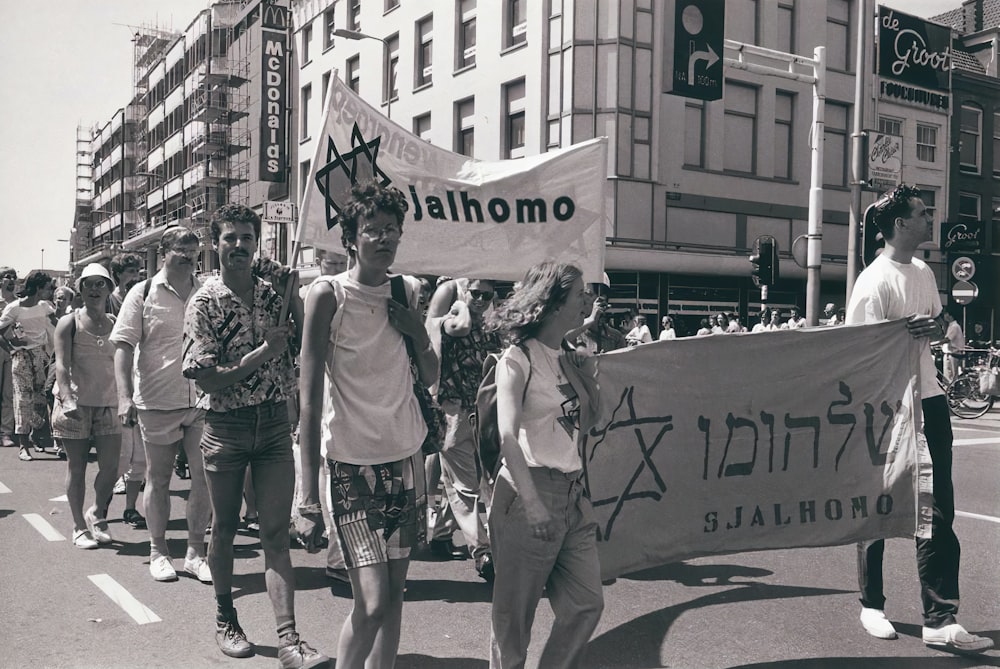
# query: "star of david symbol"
[343,170]
[634,424]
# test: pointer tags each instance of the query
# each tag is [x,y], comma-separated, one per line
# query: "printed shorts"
[93,422]
[379,510]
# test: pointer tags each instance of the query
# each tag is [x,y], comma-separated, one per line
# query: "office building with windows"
[693,182]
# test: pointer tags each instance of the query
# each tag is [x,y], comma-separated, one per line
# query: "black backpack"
[484,418]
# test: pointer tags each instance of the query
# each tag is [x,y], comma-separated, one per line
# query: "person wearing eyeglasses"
[157,406]
[86,401]
[8,281]
[25,323]
[360,412]
[455,317]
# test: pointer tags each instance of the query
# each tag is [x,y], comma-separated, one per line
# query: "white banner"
[734,443]
[467,217]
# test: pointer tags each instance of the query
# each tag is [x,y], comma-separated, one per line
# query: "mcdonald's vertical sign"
[273,144]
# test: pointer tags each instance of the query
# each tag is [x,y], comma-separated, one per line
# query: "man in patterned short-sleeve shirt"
[237,351]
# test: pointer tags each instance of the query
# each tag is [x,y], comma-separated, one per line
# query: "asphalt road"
[788,608]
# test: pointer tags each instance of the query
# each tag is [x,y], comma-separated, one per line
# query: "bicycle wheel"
[964,398]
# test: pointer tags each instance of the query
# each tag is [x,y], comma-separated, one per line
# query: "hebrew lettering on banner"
[777,440]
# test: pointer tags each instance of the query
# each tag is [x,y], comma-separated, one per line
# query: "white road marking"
[973,442]
[977,516]
[123,598]
[60,498]
[3,489]
[43,527]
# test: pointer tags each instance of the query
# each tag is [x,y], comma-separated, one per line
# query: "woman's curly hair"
[544,289]
[367,198]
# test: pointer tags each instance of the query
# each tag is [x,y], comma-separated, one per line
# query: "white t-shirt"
[32,323]
[550,413]
[669,333]
[371,415]
[888,290]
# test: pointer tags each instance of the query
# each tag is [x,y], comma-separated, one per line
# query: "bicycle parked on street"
[965,396]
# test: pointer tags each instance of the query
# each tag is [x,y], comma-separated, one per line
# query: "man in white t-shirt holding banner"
[897,285]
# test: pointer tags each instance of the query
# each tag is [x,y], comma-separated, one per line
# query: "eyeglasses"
[11,276]
[92,284]
[388,232]
[481,294]
[187,252]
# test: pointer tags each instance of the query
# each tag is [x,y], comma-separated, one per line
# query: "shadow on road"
[448,591]
[643,636]
[696,575]
[427,662]
[5,512]
[956,661]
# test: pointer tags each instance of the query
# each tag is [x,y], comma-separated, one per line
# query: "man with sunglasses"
[455,317]
[8,281]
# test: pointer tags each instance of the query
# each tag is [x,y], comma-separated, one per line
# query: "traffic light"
[871,239]
[764,259]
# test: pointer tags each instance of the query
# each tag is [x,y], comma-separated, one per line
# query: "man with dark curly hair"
[898,285]
[237,350]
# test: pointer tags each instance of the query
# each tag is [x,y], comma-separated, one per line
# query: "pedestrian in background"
[953,347]
[86,399]
[542,525]
[667,331]
[640,333]
[8,281]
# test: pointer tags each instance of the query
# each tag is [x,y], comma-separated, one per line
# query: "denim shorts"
[254,435]
[93,422]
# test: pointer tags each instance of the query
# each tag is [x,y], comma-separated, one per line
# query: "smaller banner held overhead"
[466,217]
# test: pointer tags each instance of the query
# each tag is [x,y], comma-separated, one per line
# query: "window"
[890,126]
[995,236]
[784,105]
[694,133]
[329,26]
[304,169]
[326,87]
[425,52]
[465,55]
[968,207]
[307,36]
[835,138]
[743,21]
[513,94]
[390,87]
[304,111]
[516,15]
[930,200]
[926,143]
[390,5]
[465,134]
[354,15]
[786,26]
[352,73]
[422,126]
[741,128]
[970,130]
[996,144]
[838,35]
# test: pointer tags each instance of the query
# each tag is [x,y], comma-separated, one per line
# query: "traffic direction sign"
[693,65]
[963,292]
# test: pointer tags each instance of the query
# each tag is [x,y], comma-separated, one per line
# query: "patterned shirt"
[219,329]
[462,364]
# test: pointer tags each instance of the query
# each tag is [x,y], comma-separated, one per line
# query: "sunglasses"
[12,277]
[91,284]
[481,294]
[388,232]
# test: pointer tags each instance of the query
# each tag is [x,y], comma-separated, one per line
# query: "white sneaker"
[161,569]
[198,567]
[954,638]
[876,624]
[83,539]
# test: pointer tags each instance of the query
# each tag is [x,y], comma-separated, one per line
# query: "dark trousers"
[937,557]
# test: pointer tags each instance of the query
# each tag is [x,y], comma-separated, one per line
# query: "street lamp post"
[356,35]
[43,260]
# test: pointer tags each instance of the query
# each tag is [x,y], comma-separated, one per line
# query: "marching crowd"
[372,377]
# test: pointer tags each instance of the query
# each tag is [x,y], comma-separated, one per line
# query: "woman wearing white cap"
[86,402]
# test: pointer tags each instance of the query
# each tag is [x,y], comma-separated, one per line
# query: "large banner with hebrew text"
[466,217]
[733,443]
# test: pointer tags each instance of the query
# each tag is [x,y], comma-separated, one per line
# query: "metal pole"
[815,235]
[857,146]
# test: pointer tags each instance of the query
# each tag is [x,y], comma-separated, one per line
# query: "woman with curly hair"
[542,525]
[29,319]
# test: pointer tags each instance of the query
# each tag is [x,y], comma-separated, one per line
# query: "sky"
[72,65]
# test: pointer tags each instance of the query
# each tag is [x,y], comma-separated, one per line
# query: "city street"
[63,607]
